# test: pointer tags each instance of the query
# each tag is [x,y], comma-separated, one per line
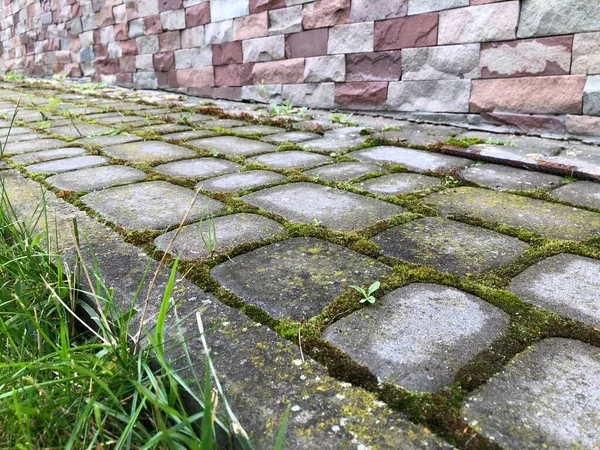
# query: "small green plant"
[392,128]
[316,222]
[214,152]
[89,86]
[497,141]
[464,142]
[59,77]
[186,118]
[368,294]
[451,181]
[12,76]
[43,124]
[209,237]
[112,132]
[286,109]
[344,119]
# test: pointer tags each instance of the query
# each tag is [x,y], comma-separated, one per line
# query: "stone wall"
[534,63]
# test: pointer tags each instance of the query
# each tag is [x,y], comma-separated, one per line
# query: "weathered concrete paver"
[95,178]
[79,130]
[418,336]
[240,181]
[343,171]
[449,246]
[313,203]
[504,178]
[296,278]
[48,155]
[108,140]
[294,136]
[67,164]
[547,397]
[34,146]
[416,160]
[291,160]
[233,145]
[148,152]
[545,218]
[230,231]
[399,183]
[154,205]
[565,284]
[258,129]
[187,135]
[584,193]
[198,168]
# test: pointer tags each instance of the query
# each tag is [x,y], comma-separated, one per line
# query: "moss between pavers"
[439,412]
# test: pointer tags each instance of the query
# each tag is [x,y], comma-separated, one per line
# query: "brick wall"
[531,62]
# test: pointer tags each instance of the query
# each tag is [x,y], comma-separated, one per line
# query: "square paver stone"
[334,208]
[187,135]
[291,160]
[241,181]
[548,397]
[149,152]
[95,178]
[198,168]
[163,128]
[80,130]
[343,171]
[34,146]
[292,136]
[233,145]
[67,164]
[224,123]
[258,129]
[154,205]
[329,146]
[48,155]
[449,246]
[231,231]
[565,284]
[420,335]
[584,193]
[296,278]
[416,160]
[547,219]
[107,140]
[504,178]
[14,131]
[399,183]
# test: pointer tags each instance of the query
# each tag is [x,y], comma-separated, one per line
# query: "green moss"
[463,142]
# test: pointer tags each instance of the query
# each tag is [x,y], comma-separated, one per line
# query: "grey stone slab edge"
[261,372]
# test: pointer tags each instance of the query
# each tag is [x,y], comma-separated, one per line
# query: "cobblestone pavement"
[485,332]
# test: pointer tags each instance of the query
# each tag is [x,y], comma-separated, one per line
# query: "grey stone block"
[451,62]
[591,96]
[352,38]
[551,390]
[250,179]
[424,6]
[285,20]
[325,68]
[95,178]
[264,49]
[418,336]
[544,18]
[432,95]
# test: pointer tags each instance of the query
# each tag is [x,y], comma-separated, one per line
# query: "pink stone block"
[106,66]
[257,6]
[228,53]
[153,24]
[197,77]
[250,27]
[121,31]
[361,93]
[233,75]
[378,66]
[533,95]
[289,71]
[129,47]
[163,62]
[325,13]
[307,43]
[197,15]
[406,32]
[169,5]
[127,63]
[527,57]
[171,40]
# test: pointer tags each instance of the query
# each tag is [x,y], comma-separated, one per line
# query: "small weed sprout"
[496,141]
[287,109]
[316,222]
[214,152]
[368,294]
[209,238]
[344,119]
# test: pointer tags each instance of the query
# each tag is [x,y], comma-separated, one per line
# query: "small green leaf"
[374,287]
